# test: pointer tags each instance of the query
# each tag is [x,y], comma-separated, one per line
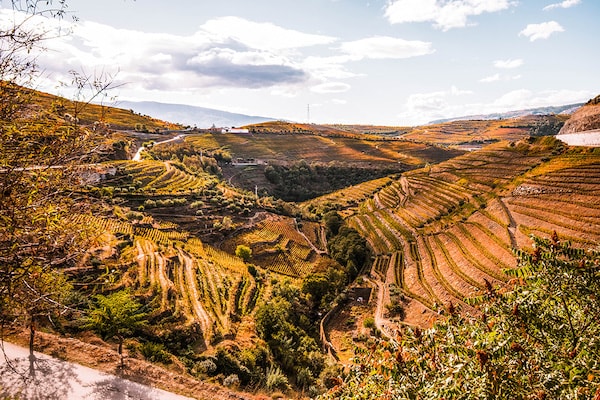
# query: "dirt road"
[44,377]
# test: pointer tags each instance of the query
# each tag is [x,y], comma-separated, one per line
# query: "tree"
[324,286]
[244,252]
[282,323]
[536,339]
[40,153]
[115,316]
[41,293]
[333,222]
[349,249]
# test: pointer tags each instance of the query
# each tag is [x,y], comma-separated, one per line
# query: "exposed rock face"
[587,118]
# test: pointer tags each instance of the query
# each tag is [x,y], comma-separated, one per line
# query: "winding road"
[138,153]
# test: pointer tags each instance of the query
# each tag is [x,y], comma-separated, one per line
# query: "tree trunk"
[31,341]
[31,334]
[121,338]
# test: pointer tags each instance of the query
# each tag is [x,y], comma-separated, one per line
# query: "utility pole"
[308,113]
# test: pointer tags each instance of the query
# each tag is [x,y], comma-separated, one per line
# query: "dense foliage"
[349,249]
[302,181]
[195,160]
[39,152]
[289,329]
[539,339]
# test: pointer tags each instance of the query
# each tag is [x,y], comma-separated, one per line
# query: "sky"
[383,62]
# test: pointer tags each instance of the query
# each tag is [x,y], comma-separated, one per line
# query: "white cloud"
[508,64]
[492,78]
[445,14]
[420,108]
[331,87]
[427,102]
[379,48]
[563,4]
[423,107]
[524,98]
[498,77]
[266,36]
[541,31]
[284,91]
[328,67]
[226,52]
[454,91]
[385,47]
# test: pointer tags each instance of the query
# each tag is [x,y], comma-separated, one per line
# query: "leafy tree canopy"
[116,315]
[349,249]
[244,252]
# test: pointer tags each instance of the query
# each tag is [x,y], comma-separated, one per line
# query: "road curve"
[138,153]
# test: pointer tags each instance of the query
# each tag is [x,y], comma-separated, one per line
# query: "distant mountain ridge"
[565,109]
[200,117]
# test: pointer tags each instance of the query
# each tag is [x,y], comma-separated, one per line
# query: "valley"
[244,200]
[237,246]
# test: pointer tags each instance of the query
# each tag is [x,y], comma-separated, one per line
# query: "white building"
[234,130]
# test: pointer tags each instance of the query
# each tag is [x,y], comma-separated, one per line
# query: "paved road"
[138,153]
[586,138]
[47,378]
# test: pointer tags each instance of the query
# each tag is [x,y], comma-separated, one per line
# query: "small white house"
[234,130]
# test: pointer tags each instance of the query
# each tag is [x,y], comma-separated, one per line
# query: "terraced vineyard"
[565,200]
[279,246]
[349,197]
[352,148]
[476,133]
[196,283]
[158,178]
[115,118]
[449,230]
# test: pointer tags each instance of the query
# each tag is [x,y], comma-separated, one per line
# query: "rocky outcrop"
[587,118]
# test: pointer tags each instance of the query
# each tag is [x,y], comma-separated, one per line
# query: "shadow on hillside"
[33,378]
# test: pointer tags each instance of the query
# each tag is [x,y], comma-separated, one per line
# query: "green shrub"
[197,204]
[134,216]
[276,380]
[149,203]
[369,323]
[155,352]
[207,367]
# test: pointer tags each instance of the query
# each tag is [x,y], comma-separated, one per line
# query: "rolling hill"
[191,115]
[564,109]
